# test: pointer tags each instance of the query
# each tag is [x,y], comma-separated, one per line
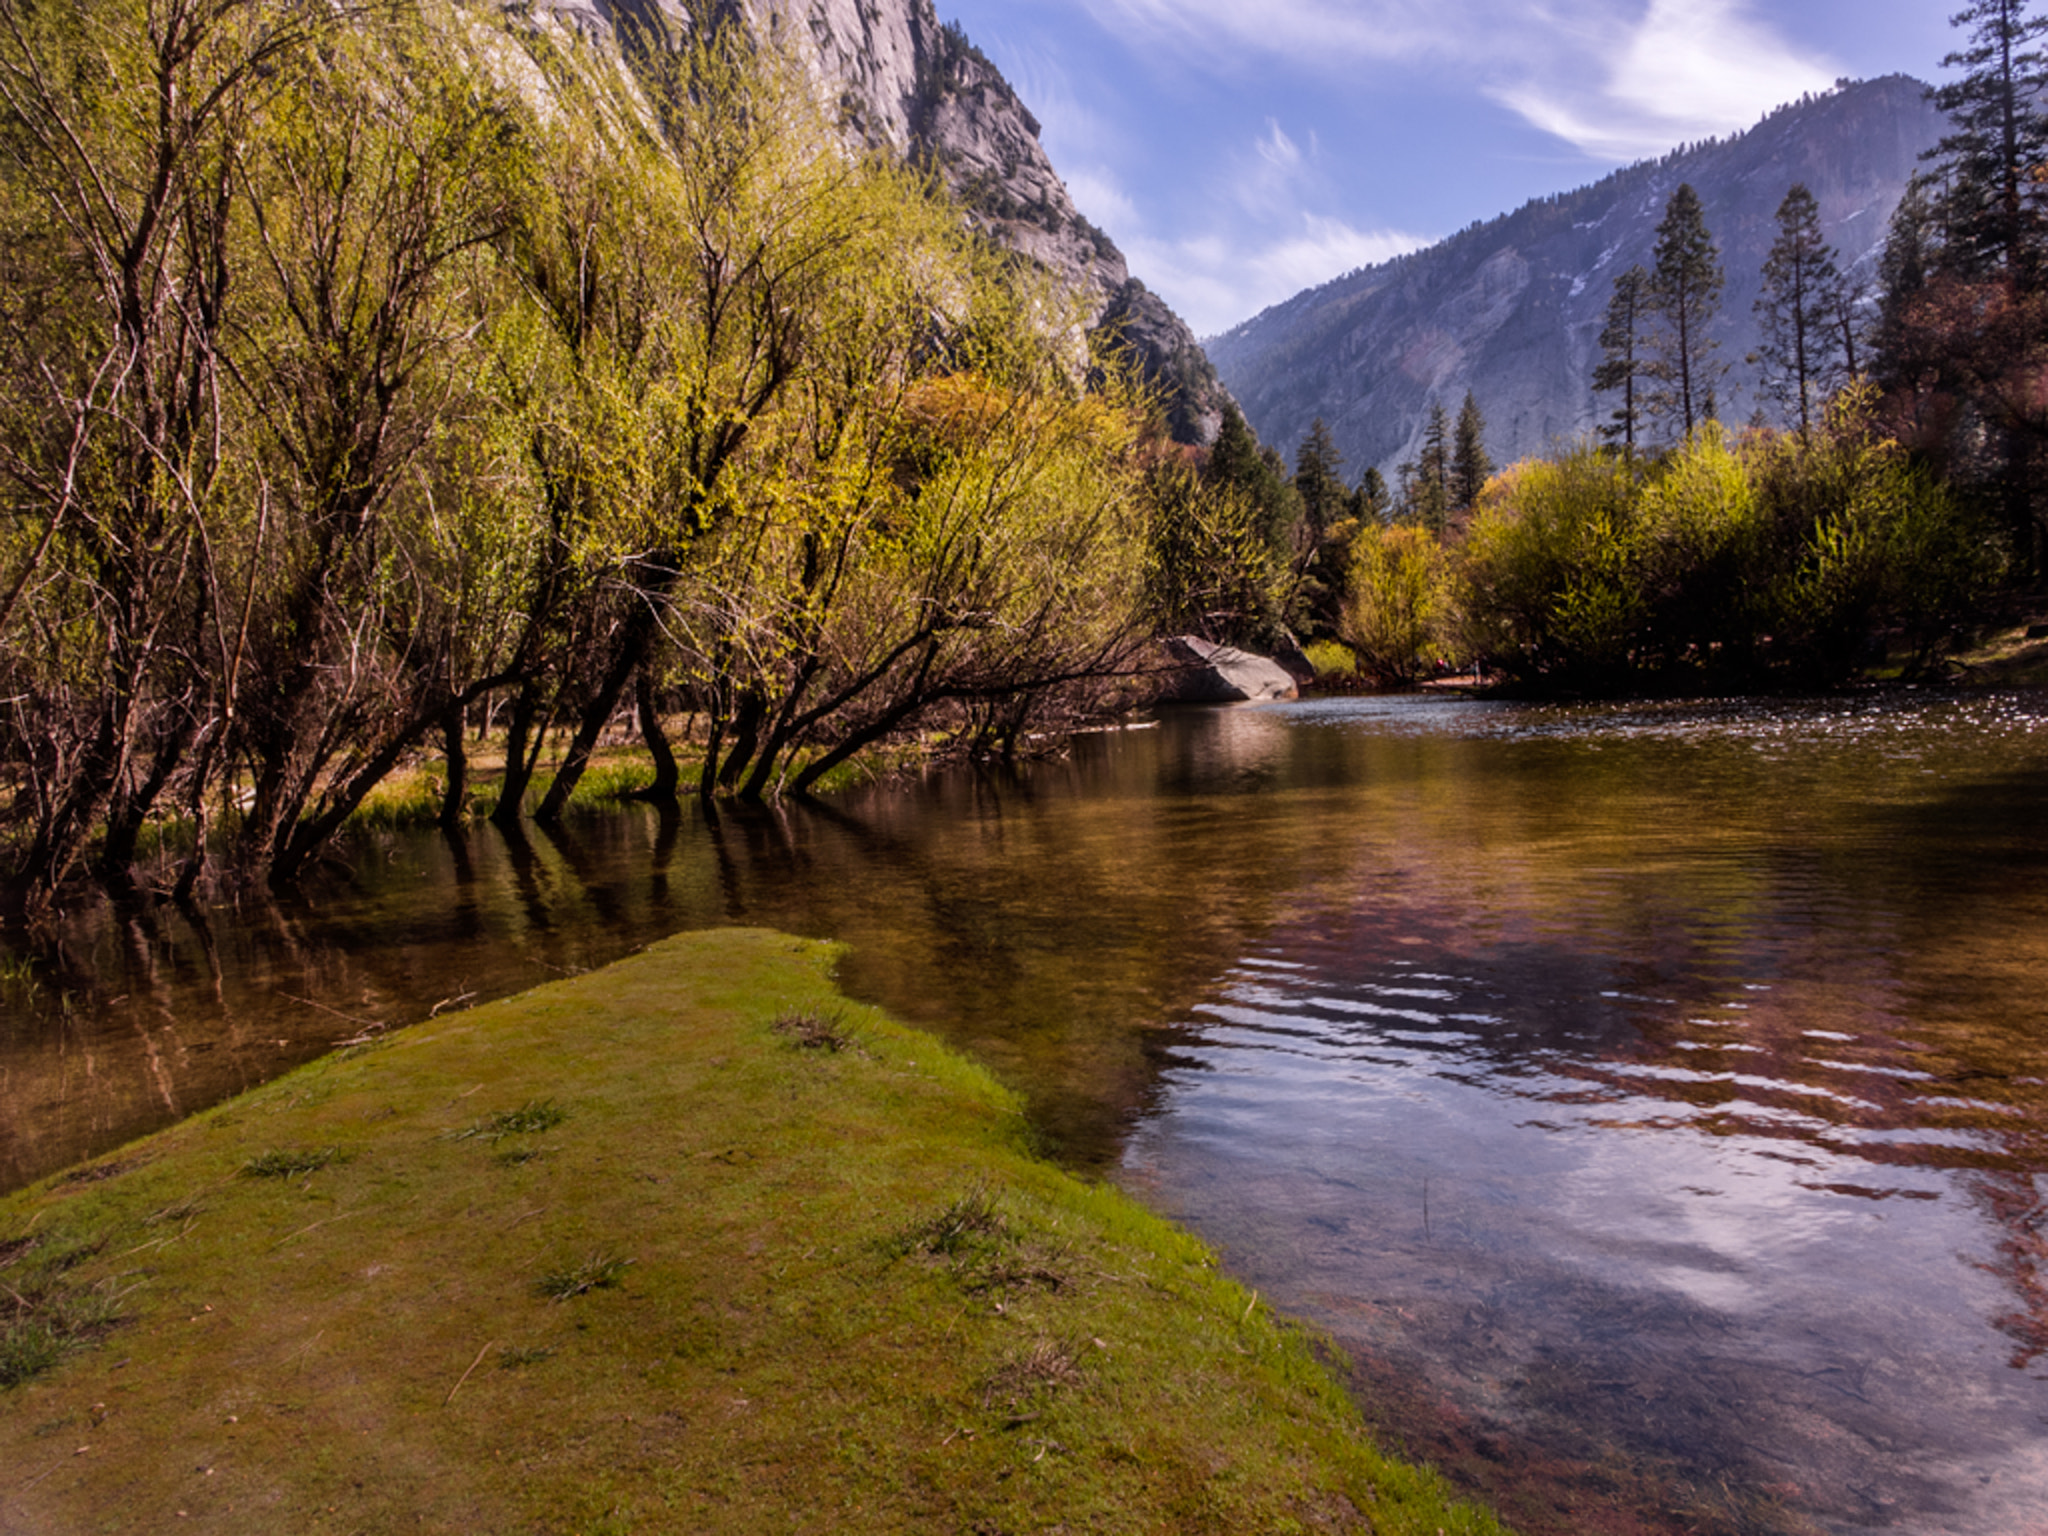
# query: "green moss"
[854,1300]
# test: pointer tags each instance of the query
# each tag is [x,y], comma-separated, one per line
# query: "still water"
[1653,1100]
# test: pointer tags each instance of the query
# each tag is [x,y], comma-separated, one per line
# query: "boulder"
[1204,673]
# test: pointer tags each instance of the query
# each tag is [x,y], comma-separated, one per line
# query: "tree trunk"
[635,640]
[519,759]
[663,791]
[456,789]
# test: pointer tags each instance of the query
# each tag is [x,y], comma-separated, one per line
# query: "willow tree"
[764,232]
[947,537]
[372,198]
[117,147]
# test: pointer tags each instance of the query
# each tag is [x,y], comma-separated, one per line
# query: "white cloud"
[1218,279]
[1617,79]
[1689,69]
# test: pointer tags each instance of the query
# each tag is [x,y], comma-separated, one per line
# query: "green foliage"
[422,361]
[1331,659]
[1471,468]
[1239,462]
[1776,561]
[1209,569]
[1994,214]
[1396,601]
[1542,576]
[1323,536]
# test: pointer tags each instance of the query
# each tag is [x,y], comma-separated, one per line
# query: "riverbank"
[688,1243]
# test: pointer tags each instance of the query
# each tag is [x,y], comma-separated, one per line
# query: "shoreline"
[690,1242]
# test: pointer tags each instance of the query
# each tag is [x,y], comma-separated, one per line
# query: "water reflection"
[1652,1097]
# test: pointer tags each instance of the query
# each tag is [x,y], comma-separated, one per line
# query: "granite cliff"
[1512,309]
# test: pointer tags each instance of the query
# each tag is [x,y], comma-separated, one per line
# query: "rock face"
[1512,309]
[1221,674]
[901,82]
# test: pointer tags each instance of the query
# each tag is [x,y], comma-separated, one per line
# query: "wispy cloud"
[1617,79]
[1688,69]
[1269,239]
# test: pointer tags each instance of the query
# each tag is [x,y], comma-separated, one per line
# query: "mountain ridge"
[1511,307]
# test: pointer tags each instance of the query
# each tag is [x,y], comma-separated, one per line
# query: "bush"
[1772,561]
[1396,604]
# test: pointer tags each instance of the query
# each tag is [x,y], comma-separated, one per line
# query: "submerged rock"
[1205,673]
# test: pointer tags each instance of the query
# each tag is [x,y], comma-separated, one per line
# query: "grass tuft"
[529,1119]
[1031,1375]
[971,1224]
[291,1162]
[43,1319]
[810,1030]
[510,1359]
[593,1274]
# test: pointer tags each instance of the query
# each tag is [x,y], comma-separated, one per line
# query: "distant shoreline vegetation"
[1883,506]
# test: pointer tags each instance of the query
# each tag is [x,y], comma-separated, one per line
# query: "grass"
[811,1030]
[529,1119]
[45,1312]
[593,1274]
[855,1300]
[290,1163]
[2006,658]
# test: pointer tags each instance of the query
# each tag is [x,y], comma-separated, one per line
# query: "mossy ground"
[621,1254]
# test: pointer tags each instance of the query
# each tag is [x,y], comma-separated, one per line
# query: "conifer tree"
[1993,208]
[1370,502]
[1800,345]
[1316,480]
[1426,483]
[1324,535]
[1470,467]
[1685,291]
[1238,459]
[1911,248]
[1626,358]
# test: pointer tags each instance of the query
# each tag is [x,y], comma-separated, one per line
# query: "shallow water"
[1652,1099]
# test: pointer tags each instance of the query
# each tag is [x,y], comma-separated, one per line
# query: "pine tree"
[1993,208]
[1470,467]
[1684,292]
[1800,345]
[1323,539]
[1238,459]
[1626,360]
[1911,249]
[1316,481]
[1426,483]
[1370,502]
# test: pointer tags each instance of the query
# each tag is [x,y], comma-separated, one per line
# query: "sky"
[1242,150]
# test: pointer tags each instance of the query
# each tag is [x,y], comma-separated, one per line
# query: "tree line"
[1884,495]
[372,375]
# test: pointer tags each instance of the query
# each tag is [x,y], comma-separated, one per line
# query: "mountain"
[901,82]
[1512,309]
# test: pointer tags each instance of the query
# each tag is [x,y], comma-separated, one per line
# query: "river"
[1650,1098]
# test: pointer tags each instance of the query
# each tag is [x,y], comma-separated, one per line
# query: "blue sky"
[1241,150]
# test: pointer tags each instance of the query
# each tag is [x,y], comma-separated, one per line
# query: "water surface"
[1651,1098]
